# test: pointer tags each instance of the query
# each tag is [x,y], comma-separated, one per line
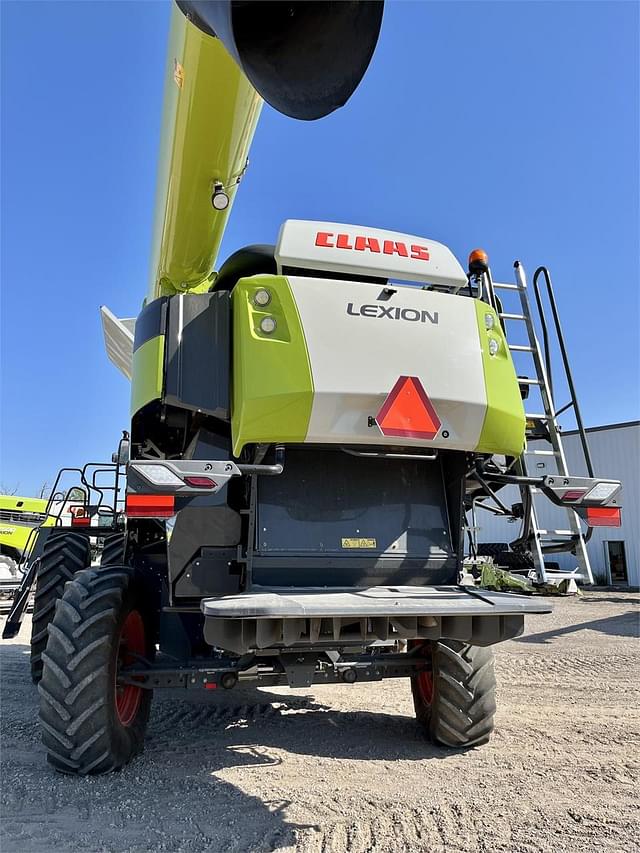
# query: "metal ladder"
[540,540]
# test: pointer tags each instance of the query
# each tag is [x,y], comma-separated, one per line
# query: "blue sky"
[509,125]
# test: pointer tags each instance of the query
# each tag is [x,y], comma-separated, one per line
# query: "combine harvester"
[19,517]
[316,417]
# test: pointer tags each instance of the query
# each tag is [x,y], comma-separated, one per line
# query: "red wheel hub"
[424,679]
[424,682]
[130,645]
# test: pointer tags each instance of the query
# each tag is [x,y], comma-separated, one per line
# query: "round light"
[489,321]
[219,199]
[494,346]
[262,297]
[268,325]
[478,262]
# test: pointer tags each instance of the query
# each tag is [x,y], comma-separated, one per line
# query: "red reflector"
[574,494]
[408,411]
[150,506]
[200,482]
[210,685]
[604,516]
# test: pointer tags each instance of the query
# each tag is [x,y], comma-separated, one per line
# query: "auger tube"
[219,67]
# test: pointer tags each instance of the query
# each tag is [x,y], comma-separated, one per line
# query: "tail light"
[181,477]
[201,482]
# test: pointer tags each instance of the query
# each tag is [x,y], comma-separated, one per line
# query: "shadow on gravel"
[168,798]
[599,599]
[624,625]
[174,796]
[246,732]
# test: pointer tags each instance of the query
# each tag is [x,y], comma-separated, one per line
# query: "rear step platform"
[282,617]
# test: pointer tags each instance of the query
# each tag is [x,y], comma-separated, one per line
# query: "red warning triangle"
[408,411]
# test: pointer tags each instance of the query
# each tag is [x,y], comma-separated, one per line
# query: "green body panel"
[147,379]
[209,118]
[14,531]
[272,384]
[503,430]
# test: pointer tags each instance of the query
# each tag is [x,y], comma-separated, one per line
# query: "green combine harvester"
[19,517]
[310,425]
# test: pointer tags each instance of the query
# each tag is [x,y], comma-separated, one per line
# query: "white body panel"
[356,360]
[358,250]
[118,340]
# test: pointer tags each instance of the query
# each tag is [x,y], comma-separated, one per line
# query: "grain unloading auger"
[315,418]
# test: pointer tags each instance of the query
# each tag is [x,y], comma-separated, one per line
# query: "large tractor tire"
[90,724]
[492,549]
[64,554]
[113,550]
[516,561]
[455,701]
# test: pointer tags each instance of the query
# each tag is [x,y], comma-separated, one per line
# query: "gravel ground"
[346,769]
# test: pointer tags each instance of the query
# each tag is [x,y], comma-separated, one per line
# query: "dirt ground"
[346,769]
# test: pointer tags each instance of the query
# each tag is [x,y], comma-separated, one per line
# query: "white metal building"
[614,552]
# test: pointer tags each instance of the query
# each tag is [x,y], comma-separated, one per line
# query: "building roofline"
[602,428]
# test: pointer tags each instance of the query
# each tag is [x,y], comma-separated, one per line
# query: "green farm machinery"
[312,423]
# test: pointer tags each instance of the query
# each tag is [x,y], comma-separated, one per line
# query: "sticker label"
[358,543]
[178,74]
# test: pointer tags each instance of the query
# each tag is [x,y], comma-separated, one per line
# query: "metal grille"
[18,517]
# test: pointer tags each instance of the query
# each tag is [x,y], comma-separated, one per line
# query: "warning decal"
[358,543]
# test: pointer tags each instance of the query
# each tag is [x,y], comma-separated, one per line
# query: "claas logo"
[362,243]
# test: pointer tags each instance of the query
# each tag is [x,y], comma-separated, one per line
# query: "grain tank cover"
[360,251]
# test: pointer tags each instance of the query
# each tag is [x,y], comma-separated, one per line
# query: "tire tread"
[462,711]
[79,725]
[64,554]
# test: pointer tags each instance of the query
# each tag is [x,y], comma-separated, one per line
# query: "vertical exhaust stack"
[304,58]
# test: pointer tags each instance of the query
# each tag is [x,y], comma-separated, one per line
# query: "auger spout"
[224,58]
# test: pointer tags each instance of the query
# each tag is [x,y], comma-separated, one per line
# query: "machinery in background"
[18,517]
[80,525]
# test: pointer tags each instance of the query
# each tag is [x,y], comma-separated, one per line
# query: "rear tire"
[64,554]
[492,549]
[516,561]
[113,550]
[89,723]
[455,702]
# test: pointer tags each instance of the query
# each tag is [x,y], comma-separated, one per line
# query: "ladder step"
[556,532]
[524,381]
[535,417]
[540,452]
[513,316]
[500,286]
[520,348]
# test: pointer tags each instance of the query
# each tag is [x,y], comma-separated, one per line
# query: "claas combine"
[310,424]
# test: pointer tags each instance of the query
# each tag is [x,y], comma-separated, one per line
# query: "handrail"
[565,359]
